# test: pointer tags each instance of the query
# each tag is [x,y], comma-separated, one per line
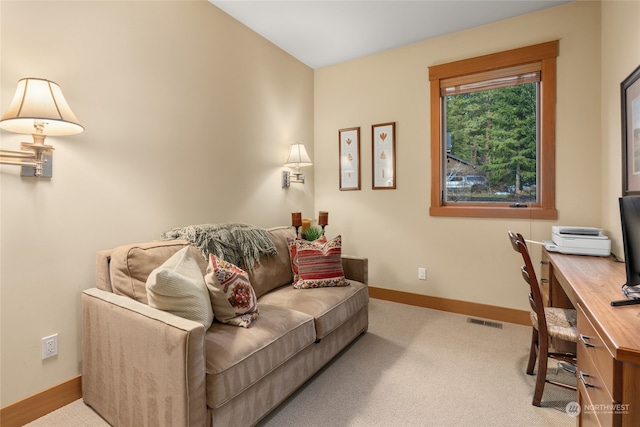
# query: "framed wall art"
[630,94]
[349,158]
[383,155]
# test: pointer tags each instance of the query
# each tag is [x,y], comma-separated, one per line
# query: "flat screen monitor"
[630,220]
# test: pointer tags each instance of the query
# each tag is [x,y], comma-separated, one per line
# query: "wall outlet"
[49,346]
[422,273]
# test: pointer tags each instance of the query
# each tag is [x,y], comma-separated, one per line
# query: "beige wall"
[620,56]
[188,119]
[466,259]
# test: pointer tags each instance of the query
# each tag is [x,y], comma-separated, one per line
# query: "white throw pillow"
[178,287]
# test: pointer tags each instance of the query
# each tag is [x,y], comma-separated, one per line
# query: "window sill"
[493,212]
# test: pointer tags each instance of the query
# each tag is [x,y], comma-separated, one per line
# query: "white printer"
[578,241]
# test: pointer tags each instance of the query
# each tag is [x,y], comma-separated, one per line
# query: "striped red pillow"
[319,264]
[293,254]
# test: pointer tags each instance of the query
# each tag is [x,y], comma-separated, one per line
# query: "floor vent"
[489,323]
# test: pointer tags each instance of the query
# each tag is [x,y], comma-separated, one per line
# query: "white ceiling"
[326,32]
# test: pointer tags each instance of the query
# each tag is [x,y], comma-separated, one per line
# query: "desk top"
[593,282]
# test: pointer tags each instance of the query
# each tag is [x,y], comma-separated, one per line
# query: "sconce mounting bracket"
[286,179]
[46,157]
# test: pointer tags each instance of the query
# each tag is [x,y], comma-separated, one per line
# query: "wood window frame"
[545,208]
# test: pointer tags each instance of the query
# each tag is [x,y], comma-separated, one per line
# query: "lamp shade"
[298,156]
[39,100]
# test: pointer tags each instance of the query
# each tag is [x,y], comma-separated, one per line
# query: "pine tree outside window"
[493,135]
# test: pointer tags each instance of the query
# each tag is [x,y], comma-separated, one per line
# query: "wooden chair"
[548,322]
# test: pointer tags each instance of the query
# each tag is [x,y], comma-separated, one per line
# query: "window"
[493,135]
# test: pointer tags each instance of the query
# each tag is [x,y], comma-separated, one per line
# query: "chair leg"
[533,351]
[541,378]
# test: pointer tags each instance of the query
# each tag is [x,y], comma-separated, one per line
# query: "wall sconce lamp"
[38,108]
[298,158]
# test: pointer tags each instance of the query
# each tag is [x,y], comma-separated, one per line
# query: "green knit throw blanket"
[239,244]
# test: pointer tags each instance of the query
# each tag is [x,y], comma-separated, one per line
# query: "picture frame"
[383,156]
[349,158]
[630,103]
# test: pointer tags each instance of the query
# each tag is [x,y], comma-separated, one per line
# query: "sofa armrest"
[356,268]
[103,278]
[140,365]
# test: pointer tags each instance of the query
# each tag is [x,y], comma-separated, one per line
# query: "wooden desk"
[609,350]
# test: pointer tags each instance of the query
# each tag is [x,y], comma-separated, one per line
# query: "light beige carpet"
[415,367]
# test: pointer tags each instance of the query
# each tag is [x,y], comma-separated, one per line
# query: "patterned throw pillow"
[293,253]
[319,264]
[232,296]
[177,286]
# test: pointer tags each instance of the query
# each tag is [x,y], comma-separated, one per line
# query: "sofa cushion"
[330,307]
[237,358]
[178,287]
[130,265]
[271,272]
[232,296]
[319,264]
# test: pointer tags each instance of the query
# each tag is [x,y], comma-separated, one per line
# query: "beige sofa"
[146,367]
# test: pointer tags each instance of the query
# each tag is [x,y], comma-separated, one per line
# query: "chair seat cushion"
[561,323]
[330,307]
[237,358]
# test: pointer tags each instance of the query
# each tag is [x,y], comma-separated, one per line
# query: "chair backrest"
[529,275]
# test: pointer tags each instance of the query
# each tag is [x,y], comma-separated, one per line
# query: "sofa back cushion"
[273,272]
[131,265]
